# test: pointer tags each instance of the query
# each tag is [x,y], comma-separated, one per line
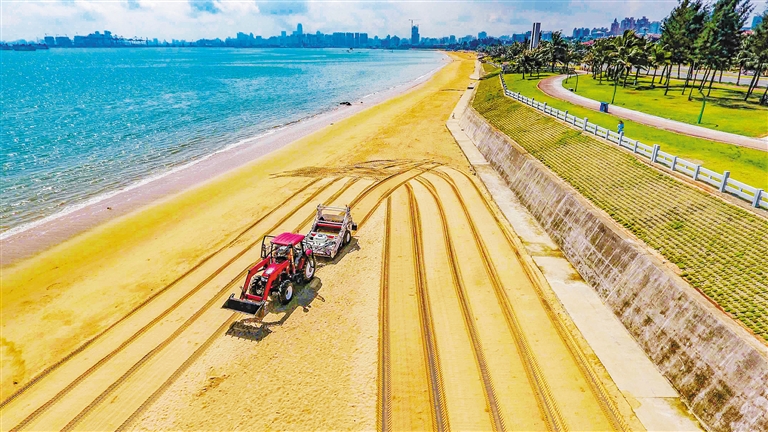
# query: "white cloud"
[194,19]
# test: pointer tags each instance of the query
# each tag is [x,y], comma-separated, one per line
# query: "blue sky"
[193,19]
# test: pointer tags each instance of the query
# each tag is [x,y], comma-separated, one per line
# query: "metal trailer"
[331,230]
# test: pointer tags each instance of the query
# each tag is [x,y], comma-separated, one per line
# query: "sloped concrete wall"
[720,370]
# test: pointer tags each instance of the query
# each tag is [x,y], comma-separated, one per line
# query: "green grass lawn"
[746,165]
[725,110]
[719,248]
[487,68]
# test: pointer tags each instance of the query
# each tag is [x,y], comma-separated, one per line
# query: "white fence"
[723,182]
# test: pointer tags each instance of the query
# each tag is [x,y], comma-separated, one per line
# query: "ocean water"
[79,124]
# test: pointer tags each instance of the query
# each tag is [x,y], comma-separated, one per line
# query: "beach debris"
[345,103]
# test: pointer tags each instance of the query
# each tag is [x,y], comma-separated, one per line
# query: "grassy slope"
[720,248]
[746,165]
[725,110]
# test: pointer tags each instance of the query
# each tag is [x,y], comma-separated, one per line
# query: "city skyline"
[298,38]
[197,19]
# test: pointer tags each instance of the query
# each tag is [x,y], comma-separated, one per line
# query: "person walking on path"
[620,128]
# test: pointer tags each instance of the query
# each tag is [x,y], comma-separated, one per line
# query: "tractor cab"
[283,247]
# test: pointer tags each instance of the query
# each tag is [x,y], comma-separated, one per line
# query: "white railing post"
[586,120]
[655,152]
[634,150]
[621,137]
[726,174]
[696,172]
[674,162]
[756,199]
[606,133]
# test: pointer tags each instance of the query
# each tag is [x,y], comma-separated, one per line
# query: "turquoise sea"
[78,124]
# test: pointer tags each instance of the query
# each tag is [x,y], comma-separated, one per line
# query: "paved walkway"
[553,87]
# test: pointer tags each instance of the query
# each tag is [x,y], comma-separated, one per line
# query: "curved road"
[553,87]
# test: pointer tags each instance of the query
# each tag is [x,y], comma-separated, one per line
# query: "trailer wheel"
[347,238]
[286,292]
[309,268]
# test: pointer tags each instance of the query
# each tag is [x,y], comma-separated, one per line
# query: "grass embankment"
[745,164]
[725,109]
[720,248]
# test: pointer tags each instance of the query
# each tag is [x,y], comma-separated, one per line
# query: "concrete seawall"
[719,368]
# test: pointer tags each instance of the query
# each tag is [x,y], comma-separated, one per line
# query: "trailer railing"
[722,181]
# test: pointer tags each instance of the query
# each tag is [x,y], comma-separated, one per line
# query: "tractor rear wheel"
[309,269]
[285,292]
[347,237]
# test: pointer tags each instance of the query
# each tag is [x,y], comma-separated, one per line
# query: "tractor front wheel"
[286,292]
[309,268]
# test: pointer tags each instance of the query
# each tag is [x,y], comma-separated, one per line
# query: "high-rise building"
[50,41]
[627,23]
[349,40]
[756,21]
[299,30]
[615,26]
[63,41]
[580,33]
[394,42]
[482,35]
[363,39]
[452,39]
[414,35]
[357,40]
[643,24]
[599,32]
[535,35]
[338,39]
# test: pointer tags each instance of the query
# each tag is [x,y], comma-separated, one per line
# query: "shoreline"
[31,238]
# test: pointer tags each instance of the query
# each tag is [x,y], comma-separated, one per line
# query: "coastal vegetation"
[745,164]
[717,247]
[725,109]
[707,41]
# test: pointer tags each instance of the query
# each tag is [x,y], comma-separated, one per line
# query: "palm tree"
[558,47]
[525,61]
[627,54]
[658,55]
[758,54]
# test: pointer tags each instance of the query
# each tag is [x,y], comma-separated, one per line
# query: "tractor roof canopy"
[288,239]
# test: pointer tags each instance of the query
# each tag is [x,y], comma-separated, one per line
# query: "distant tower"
[414,35]
[535,35]
[299,30]
[615,27]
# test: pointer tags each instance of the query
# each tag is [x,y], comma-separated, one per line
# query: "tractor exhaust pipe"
[243,306]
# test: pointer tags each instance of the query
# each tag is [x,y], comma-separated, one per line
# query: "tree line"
[705,37]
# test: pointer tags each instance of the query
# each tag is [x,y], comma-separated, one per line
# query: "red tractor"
[284,262]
